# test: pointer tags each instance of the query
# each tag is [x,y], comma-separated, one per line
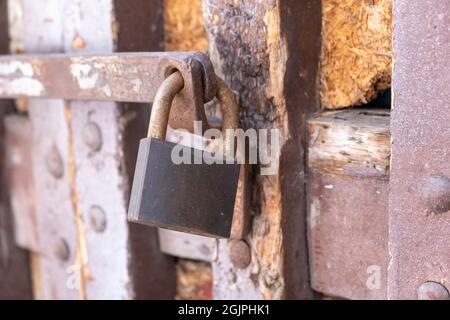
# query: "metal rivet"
[61,249]
[54,162]
[92,136]
[97,218]
[432,291]
[435,193]
[240,254]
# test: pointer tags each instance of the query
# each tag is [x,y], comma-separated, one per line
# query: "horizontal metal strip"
[132,77]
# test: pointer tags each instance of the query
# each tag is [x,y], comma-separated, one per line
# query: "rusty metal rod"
[159,118]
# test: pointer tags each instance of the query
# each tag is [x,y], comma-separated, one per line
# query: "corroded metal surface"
[131,77]
[419,239]
[348,232]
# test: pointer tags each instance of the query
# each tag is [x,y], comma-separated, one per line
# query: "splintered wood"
[356,51]
[184,26]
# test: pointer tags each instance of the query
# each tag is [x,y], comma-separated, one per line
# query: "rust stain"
[78,43]
[81,259]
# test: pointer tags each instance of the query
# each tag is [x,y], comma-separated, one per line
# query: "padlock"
[192,198]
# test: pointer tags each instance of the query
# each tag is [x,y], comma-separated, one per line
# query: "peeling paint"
[107,90]
[137,83]
[314,213]
[16,67]
[86,75]
[21,86]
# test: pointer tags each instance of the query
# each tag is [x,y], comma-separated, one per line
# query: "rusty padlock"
[193,198]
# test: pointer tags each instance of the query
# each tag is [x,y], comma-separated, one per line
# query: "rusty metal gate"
[359,205]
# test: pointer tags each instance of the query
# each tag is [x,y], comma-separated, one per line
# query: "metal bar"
[129,77]
[419,217]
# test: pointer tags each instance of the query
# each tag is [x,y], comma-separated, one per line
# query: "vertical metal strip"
[419,220]
[124,261]
[57,277]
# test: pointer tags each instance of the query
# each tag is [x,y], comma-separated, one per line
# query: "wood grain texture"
[268,53]
[356,51]
[350,143]
[184,26]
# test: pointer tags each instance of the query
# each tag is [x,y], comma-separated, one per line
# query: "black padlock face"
[193,198]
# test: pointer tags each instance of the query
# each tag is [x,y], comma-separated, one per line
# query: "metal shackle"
[162,103]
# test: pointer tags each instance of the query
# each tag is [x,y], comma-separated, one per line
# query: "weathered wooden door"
[358,207]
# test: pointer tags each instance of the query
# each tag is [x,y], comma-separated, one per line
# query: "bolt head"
[92,136]
[240,254]
[435,193]
[97,218]
[54,162]
[61,249]
[432,291]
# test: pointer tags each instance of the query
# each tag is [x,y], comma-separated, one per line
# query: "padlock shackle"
[170,87]
[159,117]
[230,111]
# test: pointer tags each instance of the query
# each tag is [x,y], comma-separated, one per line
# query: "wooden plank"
[351,143]
[419,198]
[348,192]
[275,92]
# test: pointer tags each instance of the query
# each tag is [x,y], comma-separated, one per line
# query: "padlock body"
[193,198]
